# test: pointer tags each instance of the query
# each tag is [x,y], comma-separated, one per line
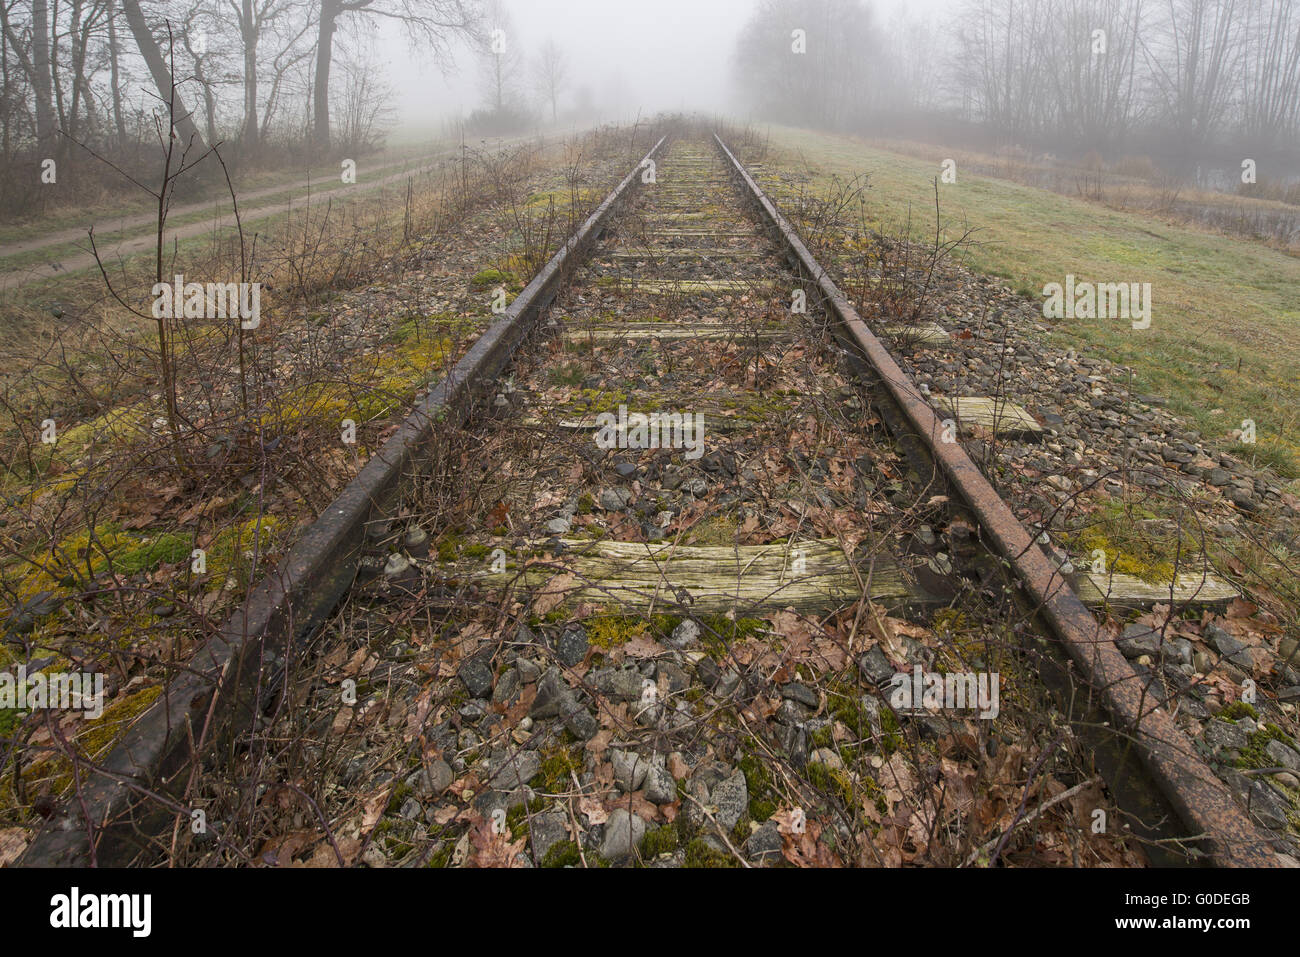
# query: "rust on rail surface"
[128,796]
[1203,803]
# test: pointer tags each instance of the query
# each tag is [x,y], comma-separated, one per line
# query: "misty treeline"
[1181,78]
[85,80]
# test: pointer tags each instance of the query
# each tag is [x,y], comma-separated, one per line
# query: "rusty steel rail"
[226,681]
[1203,803]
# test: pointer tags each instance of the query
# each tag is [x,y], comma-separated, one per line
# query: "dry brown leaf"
[553,593]
[594,809]
[373,808]
[341,720]
[493,849]
[642,646]
[13,841]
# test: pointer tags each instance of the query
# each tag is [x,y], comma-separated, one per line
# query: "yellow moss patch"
[92,742]
[380,384]
[82,556]
[230,553]
[611,630]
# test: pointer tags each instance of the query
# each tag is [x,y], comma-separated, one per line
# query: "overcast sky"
[656,54]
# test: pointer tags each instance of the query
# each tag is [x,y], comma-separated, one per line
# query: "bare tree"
[502,60]
[808,60]
[163,79]
[431,23]
[1193,59]
[551,74]
[1092,68]
[1270,78]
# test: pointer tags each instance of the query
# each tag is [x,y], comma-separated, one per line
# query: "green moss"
[558,767]
[518,817]
[660,840]
[848,710]
[398,797]
[700,854]
[833,781]
[890,732]
[563,854]
[1254,756]
[495,277]
[609,631]
[715,530]
[1119,531]
[717,632]
[442,857]
[566,373]
[230,553]
[760,810]
[1238,710]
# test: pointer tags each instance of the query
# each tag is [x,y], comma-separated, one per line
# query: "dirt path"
[140,228]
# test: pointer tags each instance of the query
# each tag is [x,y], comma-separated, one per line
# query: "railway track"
[674,551]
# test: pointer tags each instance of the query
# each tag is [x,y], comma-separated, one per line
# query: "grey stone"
[1289,694]
[572,646]
[875,667]
[797,691]
[513,769]
[685,635]
[1230,647]
[828,757]
[476,675]
[676,679]
[1139,640]
[625,469]
[412,810]
[660,785]
[790,712]
[764,844]
[580,722]
[629,769]
[507,687]
[696,486]
[490,800]
[794,742]
[1223,734]
[1282,756]
[731,798]
[623,832]
[547,829]
[614,499]
[623,684]
[529,670]
[1265,806]
[551,693]
[728,681]
[1178,650]
[558,526]
[432,782]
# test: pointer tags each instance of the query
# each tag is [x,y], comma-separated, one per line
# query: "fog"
[631,55]
[1187,85]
